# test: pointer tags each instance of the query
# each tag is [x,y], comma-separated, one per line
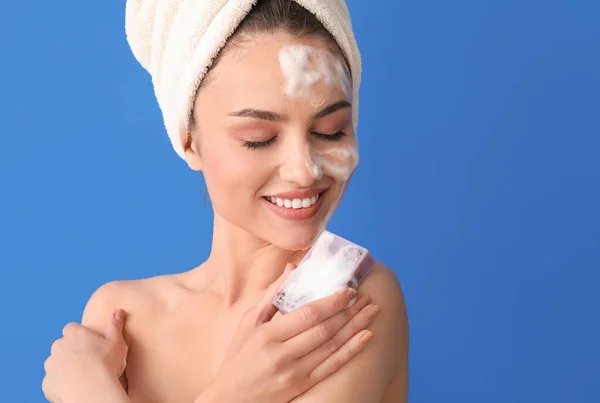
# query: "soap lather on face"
[303,67]
[337,162]
[332,264]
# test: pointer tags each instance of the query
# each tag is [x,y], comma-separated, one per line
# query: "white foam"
[339,162]
[322,272]
[304,66]
[315,167]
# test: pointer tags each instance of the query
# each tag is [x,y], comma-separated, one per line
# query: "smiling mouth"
[294,204]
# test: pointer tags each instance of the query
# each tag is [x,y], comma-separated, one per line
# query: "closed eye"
[330,137]
[256,145]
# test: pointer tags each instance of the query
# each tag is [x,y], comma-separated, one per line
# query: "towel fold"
[177,40]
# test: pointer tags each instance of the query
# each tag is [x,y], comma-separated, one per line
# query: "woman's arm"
[112,390]
[105,388]
[98,310]
[80,367]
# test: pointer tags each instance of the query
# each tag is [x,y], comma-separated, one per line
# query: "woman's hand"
[273,361]
[84,365]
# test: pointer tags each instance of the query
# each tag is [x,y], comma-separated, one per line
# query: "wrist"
[103,387]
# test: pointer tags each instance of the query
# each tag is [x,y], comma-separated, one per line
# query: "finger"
[351,328]
[47,389]
[56,346]
[114,328]
[310,314]
[75,331]
[114,333]
[265,310]
[341,357]
[324,334]
[70,329]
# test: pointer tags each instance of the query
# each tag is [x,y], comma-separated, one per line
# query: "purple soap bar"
[333,263]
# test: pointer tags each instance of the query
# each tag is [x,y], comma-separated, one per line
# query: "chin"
[295,239]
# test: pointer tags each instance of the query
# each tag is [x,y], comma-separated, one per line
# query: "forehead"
[279,65]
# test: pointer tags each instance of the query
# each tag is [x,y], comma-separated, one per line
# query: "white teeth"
[294,203]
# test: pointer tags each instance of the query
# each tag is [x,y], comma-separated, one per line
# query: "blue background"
[478,184]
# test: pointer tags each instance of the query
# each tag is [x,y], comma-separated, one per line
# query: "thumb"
[265,310]
[114,329]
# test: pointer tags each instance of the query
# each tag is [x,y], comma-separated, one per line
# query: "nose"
[299,165]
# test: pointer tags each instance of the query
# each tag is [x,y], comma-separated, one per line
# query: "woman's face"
[274,137]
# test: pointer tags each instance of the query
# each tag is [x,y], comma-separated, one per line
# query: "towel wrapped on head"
[177,40]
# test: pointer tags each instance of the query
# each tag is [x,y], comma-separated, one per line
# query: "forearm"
[113,393]
[99,387]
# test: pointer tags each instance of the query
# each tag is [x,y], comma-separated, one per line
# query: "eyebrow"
[332,108]
[275,117]
[257,114]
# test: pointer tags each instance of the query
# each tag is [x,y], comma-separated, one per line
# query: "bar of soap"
[332,263]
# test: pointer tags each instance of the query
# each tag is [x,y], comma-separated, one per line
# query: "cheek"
[227,173]
[337,162]
[237,181]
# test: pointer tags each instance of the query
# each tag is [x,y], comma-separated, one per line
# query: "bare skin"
[179,327]
[191,332]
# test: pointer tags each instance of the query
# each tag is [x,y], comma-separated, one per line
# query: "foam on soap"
[333,263]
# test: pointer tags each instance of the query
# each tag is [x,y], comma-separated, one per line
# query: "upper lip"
[298,194]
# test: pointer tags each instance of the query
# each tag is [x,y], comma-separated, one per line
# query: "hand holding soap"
[333,263]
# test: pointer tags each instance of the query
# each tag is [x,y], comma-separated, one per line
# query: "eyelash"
[255,145]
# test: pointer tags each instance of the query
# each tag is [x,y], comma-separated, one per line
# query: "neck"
[242,266]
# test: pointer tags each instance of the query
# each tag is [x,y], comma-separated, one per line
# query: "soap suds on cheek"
[338,162]
[312,163]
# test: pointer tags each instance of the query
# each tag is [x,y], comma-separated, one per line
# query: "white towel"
[177,40]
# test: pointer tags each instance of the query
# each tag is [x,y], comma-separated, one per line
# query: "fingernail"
[366,337]
[350,293]
[372,311]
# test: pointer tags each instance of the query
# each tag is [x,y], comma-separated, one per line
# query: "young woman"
[272,129]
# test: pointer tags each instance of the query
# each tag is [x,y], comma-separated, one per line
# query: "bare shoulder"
[129,295]
[379,373]
[390,331]
[391,326]
[138,298]
[383,287]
